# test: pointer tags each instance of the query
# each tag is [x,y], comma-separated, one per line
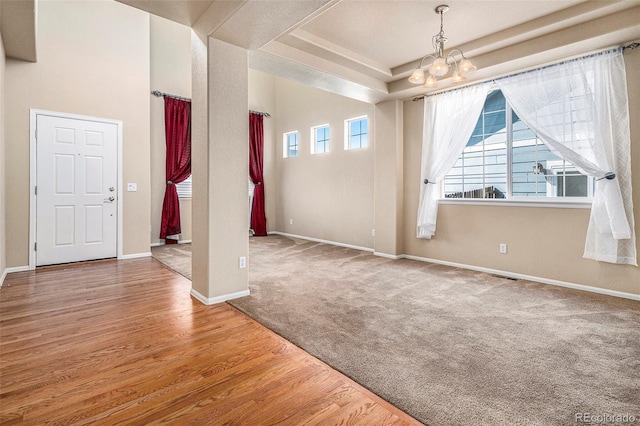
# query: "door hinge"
[35,190]
[35,246]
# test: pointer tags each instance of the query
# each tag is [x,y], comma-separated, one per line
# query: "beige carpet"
[175,256]
[450,346]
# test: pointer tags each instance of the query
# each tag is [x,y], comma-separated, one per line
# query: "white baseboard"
[558,283]
[12,270]
[17,269]
[388,256]
[158,244]
[549,281]
[317,240]
[218,299]
[135,256]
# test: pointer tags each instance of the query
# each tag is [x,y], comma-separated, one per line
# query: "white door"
[76,193]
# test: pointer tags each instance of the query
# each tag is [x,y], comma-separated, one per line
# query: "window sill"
[562,204]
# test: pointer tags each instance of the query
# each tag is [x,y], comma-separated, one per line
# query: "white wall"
[170,73]
[93,59]
[3,251]
[542,242]
[328,196]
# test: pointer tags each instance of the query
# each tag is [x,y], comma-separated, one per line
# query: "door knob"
[110,199]
[111,188]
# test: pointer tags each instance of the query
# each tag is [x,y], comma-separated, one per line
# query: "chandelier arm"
[452,52]
[425,57]
[450,55]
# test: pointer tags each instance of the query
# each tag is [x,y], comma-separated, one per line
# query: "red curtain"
[177,125]
[256,158]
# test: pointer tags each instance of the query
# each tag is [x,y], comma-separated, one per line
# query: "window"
[184,188]
[290,144]
[320,139]
[505,159]
[356,134]
[565,181]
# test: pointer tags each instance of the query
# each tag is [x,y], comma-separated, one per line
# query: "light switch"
[132,187]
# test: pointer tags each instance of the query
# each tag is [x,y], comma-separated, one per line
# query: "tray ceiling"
[366,49]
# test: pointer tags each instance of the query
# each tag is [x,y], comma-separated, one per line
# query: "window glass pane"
[529,179]
[495,102]
[354,142]
[184,188]
[354,128]
[572,185]
[292,144]
[358,137]
[364,140]
[321,139]
[482,171]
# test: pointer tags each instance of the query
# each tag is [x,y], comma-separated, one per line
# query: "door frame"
[33,119]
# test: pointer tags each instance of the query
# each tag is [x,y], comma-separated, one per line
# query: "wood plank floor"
[123,342]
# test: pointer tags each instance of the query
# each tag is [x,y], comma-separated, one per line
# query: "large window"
[290,144]
[356,133]
[505,159]
[320,139]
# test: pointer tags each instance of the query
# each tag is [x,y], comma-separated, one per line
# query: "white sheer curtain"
[449,120]
[580,110]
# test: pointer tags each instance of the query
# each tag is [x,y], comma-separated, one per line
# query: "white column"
[220,165]
[388,177]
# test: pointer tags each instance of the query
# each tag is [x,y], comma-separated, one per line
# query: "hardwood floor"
[123,342]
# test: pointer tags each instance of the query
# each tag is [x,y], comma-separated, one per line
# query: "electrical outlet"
[373,232]
[503,248]
[242,262]
[132,187]
[290,221]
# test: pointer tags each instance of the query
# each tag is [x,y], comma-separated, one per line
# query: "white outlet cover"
[132,187]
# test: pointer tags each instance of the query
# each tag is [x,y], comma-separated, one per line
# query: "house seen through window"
[505,159]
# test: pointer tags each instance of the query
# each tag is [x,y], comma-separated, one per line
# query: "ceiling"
[18,29]
[366,49]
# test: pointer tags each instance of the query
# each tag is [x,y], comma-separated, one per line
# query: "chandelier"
[440,65]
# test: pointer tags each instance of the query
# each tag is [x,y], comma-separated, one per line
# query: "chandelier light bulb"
[417,77]
[466,67]
[430,82]
[439,67]
[457,78]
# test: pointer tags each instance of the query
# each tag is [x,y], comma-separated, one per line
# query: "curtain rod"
[168,95]
[266,114]
[630,46]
